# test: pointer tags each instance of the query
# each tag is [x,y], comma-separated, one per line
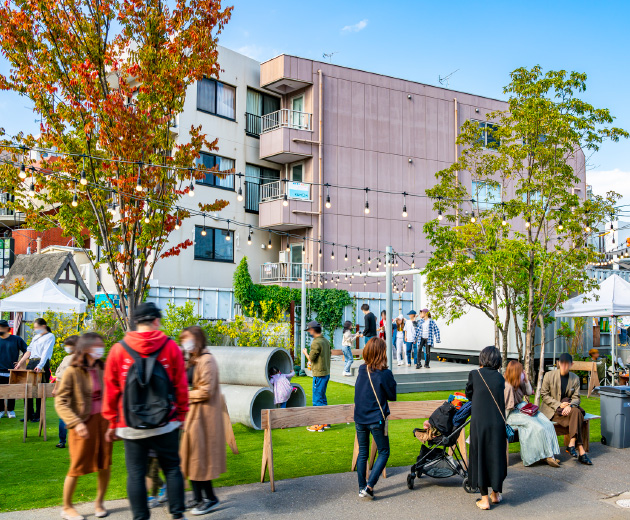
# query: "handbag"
[386,421]
[529,409]
[509,432]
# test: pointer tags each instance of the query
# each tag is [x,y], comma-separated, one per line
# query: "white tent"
[41,297]
[610,299]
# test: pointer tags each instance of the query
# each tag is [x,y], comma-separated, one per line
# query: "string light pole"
[302,319]
[388,302]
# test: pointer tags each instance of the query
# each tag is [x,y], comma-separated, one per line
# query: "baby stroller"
[434,459]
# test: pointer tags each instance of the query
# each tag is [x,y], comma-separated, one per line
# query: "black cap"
[565,358]
[4,323]
[313,325]
[147,311]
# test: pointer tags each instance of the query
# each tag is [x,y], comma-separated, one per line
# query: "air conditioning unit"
[283,257]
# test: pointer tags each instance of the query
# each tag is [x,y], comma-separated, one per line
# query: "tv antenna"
[444,81]
[328,56]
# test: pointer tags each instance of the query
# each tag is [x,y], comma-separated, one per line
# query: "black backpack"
[149,396]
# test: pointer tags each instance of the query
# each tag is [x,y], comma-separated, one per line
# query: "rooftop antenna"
[444,81]
[328,56]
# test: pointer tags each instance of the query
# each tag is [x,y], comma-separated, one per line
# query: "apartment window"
[216,98]
[487,137]
[258,104]
[222,164]
[213,246]
[486,194]
[297,172]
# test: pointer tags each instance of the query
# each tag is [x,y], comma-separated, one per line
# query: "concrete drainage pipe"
[250,365]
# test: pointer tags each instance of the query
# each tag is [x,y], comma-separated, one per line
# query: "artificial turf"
[32,473]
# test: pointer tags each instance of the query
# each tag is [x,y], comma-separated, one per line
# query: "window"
[486,194]
[216,98]
[210,161]
[487,138]
[258,105]
[298,118]
[297,173]
[214,246]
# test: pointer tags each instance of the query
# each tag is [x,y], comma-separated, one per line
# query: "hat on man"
[4,323]
[411,312]
[313,325]
[147,311]
[565,358]
[424,310]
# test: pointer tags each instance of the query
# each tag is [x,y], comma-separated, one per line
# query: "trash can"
[615,412]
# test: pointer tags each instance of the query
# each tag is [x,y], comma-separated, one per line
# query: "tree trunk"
[541,365]
[506,333]
[495,309]
[519,336]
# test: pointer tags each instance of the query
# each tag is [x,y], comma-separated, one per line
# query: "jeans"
[347,356]
[4,380]
[166,447]
[427,352]
[410,345]
[400,352]
[31,413]
[63,432]
[382,444]
[319,390]
[283,405]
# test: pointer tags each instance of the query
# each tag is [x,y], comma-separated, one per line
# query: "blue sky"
[419,40]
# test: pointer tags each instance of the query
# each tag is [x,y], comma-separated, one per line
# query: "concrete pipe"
[244,403]
[250,365]
[298,397]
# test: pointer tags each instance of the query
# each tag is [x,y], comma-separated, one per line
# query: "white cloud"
[356,27]
[257,52]
[611,180]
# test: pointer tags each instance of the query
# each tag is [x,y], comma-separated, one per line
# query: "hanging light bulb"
[191,190]
[139,179]
[31,190]
[203,230]
[473,219]
[327,196]
[83,180]
[22,174]
[528,222]
[560,226]
[369,256]
[228,237]
[345,258]
[440,217]
[269,243]
[366,210]
[177,224]
[288,248]
[319,253]
[147,219]
[249,236]
[413,263]
[358,256]
[346,277]
[285,200]
[332,252]
[587,228]
[611,226]
[239,196]
[304,246]
[404,211]
[75,200]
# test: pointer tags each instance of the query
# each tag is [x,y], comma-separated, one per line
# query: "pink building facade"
[341,126]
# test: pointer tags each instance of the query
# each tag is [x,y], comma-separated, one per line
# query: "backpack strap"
[144,369]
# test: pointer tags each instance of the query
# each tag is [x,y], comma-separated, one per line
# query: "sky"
[421,41]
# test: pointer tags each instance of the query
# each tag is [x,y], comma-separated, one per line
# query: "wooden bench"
[337,414]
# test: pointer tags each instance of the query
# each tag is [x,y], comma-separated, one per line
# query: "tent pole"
[614,346]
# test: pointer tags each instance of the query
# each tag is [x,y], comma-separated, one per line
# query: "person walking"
[381,325]
[37,358]
[10,348]
[399,328]
[369,330]
[69,345]
[427,335]
[347,342]
[78,403]
[159,431]
[375,386]
[410,335]
[319,356]
[203,441]
[487,467]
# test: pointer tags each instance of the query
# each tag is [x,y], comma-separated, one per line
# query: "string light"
[287,248]
[191,188]
[304,246]
[440,214]
[319,253]
[327,196]
[528,222]
[560,226]
[366,210]
[249,236]
[332,252]
[83,180]
[413,263]
[269,243]
[31,190]
[345,258]
[203,231]
[22,174]
[587,228]
[139,180]
[239,197]
[177,220]
[358,256]
[285,200]
[228,237]
[75,200]
[369,256]
[404,211]
[503,221]
[473,219]
[147,218]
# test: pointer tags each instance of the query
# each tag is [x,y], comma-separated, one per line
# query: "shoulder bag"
[385,420]
[508,429]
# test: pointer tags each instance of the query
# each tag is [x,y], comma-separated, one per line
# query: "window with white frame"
[488,137]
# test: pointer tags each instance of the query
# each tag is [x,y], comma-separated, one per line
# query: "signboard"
[298,190]
[101,299]
[7,246]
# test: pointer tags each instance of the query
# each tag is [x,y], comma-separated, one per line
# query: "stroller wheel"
[467,487]
[410,479]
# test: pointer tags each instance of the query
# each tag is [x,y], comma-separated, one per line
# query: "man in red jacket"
[164,440]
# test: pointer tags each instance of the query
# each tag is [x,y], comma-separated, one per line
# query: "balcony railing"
[253,124]
[4,199]
[282,272]
[276,190]
[285,118]
[252,196]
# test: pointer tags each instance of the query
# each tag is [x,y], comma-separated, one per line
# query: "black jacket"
[370,325]
[10,349]
[366,410]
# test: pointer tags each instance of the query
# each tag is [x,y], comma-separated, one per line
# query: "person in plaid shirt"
[427,334]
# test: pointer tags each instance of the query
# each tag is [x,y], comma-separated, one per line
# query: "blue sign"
[101,299]
[298,190]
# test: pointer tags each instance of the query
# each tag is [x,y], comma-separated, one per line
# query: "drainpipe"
[456,173]
[320,222]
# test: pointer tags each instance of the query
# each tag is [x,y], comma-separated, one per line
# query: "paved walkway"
[536,492]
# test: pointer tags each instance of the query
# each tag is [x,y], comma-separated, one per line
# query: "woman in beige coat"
[202,449]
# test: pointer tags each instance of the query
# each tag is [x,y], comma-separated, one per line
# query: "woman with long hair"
[78,404]
[202,449]
[536,434]
[399,328]
[375,386]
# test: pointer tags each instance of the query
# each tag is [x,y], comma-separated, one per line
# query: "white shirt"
[41,348]
[348,338]
[425,329]
[410,330]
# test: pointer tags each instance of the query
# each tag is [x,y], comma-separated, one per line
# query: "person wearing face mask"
[202,449]
[78,403]
[68,345]
[37,358]
[10,348]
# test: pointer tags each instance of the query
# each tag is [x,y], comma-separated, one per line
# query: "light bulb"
[503,221]
[473,219]
[528,223]
[367,207]
[177,224]
[75,201]
[440,214]
[228,237]
[560,226]
[191,190]
[203,232]
[139,185]
[249,240]
[31,191]
[404,213]
[83,180]
[147,219]
[328,204]
[285,201]
[239,197]
[22,174]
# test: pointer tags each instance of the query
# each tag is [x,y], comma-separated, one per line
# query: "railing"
[253,124]
[282,272]
[4,198]
[271,191]
[276,190]
[252,196]
[286,118]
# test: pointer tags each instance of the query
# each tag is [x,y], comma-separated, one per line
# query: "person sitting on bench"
[560,402]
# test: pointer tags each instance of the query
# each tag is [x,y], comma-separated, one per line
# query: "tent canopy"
[41,297]
[614,300]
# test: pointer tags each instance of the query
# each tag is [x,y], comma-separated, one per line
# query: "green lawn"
[33,472]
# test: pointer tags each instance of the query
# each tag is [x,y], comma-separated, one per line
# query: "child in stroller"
[438,436]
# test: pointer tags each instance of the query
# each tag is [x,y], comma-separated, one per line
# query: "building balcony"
[285,74]
[296,211]
[286,136]
[253,124]
[278,272]
[9,217]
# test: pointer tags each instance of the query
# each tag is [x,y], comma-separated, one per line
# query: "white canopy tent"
[610,299]
[41,297]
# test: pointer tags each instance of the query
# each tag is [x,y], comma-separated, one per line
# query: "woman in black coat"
[487,461]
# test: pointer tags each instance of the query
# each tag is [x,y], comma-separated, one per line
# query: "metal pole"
[613,335]
[303,318]
[388,304]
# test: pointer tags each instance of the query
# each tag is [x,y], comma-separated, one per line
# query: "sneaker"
[162,496]
[347,374]
[408,364]
[326,426]
[152,502]
[11,415]
[316,428]
[205,507]
[60,445]
[366,493]
[36,419]
[192,504]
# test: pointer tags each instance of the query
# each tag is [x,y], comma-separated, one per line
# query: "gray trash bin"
[615,412]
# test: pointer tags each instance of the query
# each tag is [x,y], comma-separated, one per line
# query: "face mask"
[68,350]
[37,331]
[97,352]
[188,345]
